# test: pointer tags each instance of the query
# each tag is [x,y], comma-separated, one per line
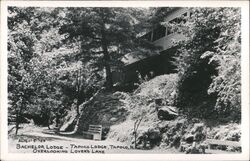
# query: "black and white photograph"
[124,80]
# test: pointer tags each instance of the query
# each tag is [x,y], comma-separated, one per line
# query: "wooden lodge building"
[156,64]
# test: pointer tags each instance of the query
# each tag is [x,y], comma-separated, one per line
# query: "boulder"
[189,139]
[154,134]
[113,119]
[149,139]
[167,113]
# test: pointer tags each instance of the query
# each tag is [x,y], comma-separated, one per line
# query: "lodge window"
[159,32]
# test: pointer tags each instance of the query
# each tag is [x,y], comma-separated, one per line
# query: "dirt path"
[42,140]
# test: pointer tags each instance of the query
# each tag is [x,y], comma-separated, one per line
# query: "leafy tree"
[20,43]
[209,61]
[105,34]
[30,73]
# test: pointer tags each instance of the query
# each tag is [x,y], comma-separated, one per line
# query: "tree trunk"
[78,89]
[18,117]
[48,123]
[109,81]
[47,115]
[17,122]
[57,119]
[77,107]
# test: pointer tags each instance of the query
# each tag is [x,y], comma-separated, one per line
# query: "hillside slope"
[118,112]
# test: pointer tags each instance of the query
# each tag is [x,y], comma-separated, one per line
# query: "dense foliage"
[27,75]
[209,62]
